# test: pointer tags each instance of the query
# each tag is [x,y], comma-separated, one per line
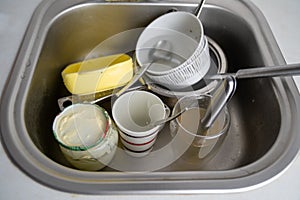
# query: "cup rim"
[209,137]
[131,132]
[82,147]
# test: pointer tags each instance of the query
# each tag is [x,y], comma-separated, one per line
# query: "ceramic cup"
[132,112]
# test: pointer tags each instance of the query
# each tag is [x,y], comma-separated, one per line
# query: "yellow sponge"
[97,75]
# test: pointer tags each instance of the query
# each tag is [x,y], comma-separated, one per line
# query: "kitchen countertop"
[283,18]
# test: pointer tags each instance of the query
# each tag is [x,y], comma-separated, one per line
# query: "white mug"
[132,112]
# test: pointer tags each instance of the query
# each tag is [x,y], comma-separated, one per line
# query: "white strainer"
[185,37]
[188,73]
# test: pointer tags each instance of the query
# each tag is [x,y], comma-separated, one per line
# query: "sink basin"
[263,138]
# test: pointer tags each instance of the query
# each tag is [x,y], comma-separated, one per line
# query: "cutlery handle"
[272,71]
[135,78]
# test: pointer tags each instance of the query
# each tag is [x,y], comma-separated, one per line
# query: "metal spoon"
[153,53]
[162,121]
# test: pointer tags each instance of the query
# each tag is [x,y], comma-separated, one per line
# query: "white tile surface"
[284,19]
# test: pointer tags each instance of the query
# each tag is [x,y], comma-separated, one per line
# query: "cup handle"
[168,111]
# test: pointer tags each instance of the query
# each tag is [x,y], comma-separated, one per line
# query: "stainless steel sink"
[263,138]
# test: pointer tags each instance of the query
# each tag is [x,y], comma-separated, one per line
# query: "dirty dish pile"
[218,65]
[177,53]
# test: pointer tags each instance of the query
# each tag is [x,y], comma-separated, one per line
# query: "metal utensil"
[199,8]
[153,53]
[87,98]
[225,90]
[261,72]
[136,77]
[228,85]
[159,122]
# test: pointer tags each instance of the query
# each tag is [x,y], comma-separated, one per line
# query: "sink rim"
[250,175]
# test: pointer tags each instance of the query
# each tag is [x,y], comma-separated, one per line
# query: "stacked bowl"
[177,49]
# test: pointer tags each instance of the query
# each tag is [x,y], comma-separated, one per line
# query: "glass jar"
[197,144]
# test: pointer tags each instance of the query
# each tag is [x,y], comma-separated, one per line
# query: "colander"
[184,33]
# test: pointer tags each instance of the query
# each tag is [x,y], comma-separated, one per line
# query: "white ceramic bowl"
[188,73]
[183,32]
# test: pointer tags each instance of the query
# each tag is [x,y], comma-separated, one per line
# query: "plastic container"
[86,135]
